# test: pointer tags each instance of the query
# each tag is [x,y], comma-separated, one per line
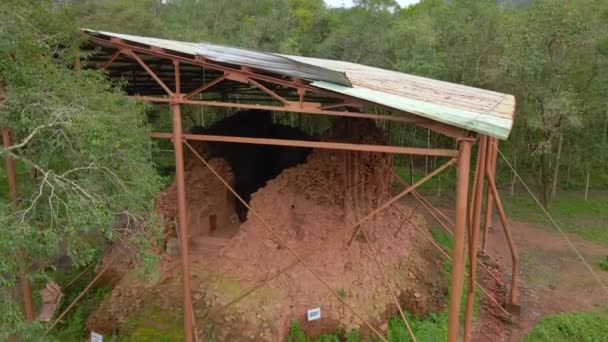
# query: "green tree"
[83,140]
[547,62]
[140,17]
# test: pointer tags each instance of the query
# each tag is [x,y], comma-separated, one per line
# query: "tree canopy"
[80,142]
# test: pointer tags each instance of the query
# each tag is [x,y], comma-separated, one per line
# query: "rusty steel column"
[491,156]
[462,189]
[507,231]
[182,219]
[28,305]
[474,237]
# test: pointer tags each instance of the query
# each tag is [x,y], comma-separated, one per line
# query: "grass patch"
[443,238]
[604,264]
[586,219]
[430,328]
[571,326]
[154,323]
[433,327]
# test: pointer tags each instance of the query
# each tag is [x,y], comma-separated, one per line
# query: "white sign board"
[314,314]
[95,337]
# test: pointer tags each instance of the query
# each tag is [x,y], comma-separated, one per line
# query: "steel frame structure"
[297,96]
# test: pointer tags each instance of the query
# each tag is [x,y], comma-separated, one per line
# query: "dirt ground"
[312,208]
[552,277]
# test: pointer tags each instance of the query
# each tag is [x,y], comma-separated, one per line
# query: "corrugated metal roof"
[474,109]
[227,54]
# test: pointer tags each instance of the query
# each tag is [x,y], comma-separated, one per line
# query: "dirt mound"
[311,206]
[207,199]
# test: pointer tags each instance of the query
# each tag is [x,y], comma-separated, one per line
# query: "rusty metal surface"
[458,269]
[474,234]
[312,144]
[482,111]
[238,56]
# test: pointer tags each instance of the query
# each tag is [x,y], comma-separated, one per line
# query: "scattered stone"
[271,244]
[348,266]
[172,247]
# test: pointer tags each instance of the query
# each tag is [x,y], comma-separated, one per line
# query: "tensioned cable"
[561,231]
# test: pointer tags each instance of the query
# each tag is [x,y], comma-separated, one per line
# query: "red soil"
[312,208]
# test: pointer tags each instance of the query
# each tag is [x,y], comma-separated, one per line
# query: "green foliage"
[575,215]
[604,264]
[154,323]
[352,336]
[73,326]
[443,238]
[296,334]
[570,326]
[431,328]
[135,17]
[84,139]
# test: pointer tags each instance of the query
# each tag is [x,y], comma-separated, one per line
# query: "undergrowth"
[604,264]
[571,326]
[574,215]
[73,325]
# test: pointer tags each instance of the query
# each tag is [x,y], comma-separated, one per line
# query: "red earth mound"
[312,207]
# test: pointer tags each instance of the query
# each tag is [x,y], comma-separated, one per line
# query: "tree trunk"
[605,127]
[587,186]
[557,164]
[544,180]
[428,145]
[513,173]
[569,168]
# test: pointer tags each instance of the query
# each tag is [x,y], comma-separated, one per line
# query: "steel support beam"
[507,231]
[492,157]
[474,234]
[390,202]
[182,220]
[312,144]
[111,60]
[458,269]
[284,243]
[149,71]
[206,86]
[306,108]
[182,217]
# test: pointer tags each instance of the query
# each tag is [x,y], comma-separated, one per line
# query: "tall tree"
[83,138]
[546,61]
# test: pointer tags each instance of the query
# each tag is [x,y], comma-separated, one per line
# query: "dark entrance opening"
[254,165]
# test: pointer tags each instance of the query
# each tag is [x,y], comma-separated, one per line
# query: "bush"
[604,264]
[571,326]
[433,327]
